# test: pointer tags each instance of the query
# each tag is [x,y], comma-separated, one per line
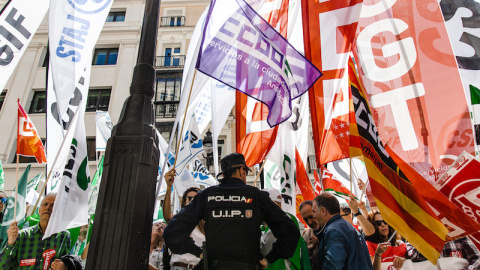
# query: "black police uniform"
[233,212]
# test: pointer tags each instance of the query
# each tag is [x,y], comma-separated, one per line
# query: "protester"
[300,260]
[381,251]
[3,204]
[309,235]
[354,207]
[341,245]
[233,213]
[176,261]
[156,246]
[458,254]
[27,249]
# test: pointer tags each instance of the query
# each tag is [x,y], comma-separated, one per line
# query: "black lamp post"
[208,146]
[123,218]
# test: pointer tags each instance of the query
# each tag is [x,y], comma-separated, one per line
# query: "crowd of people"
[237,226]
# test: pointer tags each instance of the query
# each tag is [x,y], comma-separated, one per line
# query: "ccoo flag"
[240,49]
[28,141]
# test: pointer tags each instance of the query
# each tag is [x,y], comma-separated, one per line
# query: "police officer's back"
[233,212]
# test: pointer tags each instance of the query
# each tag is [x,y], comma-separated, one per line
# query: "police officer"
[233,212]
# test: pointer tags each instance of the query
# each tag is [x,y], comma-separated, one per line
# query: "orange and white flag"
[28,142]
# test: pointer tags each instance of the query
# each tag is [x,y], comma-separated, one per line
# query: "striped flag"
[398,201]
[475,98]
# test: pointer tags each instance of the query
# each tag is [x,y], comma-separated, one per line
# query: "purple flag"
[242,50]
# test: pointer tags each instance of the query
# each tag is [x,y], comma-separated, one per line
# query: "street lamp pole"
[124,214]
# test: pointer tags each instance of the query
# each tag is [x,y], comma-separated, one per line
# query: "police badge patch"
[248,213]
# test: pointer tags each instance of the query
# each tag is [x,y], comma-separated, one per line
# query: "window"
[167,94]
[91,149]
[2,98]
[105,56]
[98,99]
[117,16]
[39,102]
[172,59]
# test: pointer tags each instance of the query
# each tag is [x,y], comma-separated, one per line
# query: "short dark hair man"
[233,213]
[341,245]
[27,250]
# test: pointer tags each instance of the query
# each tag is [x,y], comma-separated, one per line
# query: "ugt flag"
[240,49]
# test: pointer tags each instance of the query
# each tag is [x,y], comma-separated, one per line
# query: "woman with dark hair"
[181,261]
[384,247]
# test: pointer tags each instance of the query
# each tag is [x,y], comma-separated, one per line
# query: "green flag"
[21,206]
[32,194]
[92,198]
[2,177]
[475,98]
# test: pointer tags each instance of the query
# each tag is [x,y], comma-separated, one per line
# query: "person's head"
[46,207]
[274,195]
[382,229]
[325,206]
[346,213]
[233,165]
[306,210]
[157,229]
[3,201]
[188,195]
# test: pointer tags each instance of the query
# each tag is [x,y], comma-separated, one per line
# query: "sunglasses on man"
[3,200]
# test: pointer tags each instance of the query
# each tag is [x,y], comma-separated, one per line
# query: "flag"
[318,185]
[401,205]
[255,60]
[74,28]
[2,177]
[32,194]
[19,20]
[191,146]
[93,196]
[329,32]
[28,142]
[303,182]
[339,187]
[8,217]
[410,74]
[104,130]
[201,174]
[460,19]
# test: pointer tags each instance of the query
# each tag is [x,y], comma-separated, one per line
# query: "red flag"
[28,142]
[333,184]
[329,31]
[318,185]
[303,182]
[411,77]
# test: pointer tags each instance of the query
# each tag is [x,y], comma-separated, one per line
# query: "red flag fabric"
[28,142]
[318,185]
[329,31]
[303,182]
[401,205]
[333,184]
[410,74]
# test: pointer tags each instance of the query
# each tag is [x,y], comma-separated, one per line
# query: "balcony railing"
[175,61]
[172,21]
[166,109]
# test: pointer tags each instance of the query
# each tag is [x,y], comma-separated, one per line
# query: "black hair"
[228,173]
[329,202]
[307,202]
[184,196]
[345,209]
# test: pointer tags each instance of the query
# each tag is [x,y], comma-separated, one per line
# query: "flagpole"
[16,188]
[259,172]
[54,162]
[183,123]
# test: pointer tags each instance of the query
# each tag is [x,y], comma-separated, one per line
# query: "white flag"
[104,130]
[201,174]
[19,21]
[191,146]
[74,27]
